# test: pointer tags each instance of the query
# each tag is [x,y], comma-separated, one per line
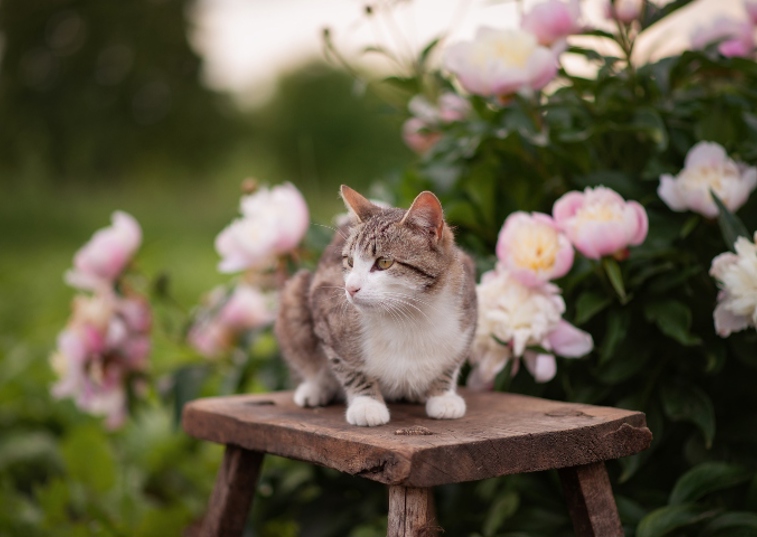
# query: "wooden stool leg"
[590,501]
[232,493]
[411,513]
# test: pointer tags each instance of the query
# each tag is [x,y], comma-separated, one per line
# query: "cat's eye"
[383,263]
[348,260]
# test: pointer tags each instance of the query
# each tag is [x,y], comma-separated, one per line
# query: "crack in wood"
[377,469]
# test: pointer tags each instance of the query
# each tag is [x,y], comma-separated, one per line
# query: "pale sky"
[247,43]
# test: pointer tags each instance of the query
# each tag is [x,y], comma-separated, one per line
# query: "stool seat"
[500,434]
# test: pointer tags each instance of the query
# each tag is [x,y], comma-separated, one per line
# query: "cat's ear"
[357,204]
[426,212]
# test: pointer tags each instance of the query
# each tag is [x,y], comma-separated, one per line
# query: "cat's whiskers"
[334,229]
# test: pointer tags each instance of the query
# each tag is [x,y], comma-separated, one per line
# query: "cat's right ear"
[357,204]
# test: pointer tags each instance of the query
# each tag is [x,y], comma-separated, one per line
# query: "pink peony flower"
[418,136]
[751,9]
[551,21]
[273,223]
[101,261]
[248,308]
[625,11]
[422,131]
[736,275]
[532,248]
[224,319]
[514,318]
[599,222]
[105,342]
[707,167]
[735,37]
[498,63]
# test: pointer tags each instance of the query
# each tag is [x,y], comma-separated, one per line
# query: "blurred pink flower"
[101,261]
[273,223]
[736,275]
[533,249]
[422,131]
[551,21]
[625,11]
[224,319]
[735,37]
[751,9]
[418,136]
[498,63]
[599,222]
[514,318]
[105,342]
[707,167]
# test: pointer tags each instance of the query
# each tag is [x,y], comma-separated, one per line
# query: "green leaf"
[88,458]
[706,478]
[648,120]
[589,304]
[669,518]
[426,52]
[408,84]
[730,225]
[618,321]
[503,508]
[673,318]
[687,402]
[734,524]
[187,382]
[654,14]
[163,520]
[612,269]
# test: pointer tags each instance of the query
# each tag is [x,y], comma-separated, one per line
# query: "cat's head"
[393,258]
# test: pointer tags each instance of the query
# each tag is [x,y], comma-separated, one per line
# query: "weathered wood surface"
[412,513]
[590,501]
[232,493]
[500,434]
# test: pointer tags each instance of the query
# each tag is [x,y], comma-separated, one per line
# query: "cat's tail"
[294,328]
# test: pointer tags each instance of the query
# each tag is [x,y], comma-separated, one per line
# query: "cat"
[388,314]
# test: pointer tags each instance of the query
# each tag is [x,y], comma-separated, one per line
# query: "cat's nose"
[353,289]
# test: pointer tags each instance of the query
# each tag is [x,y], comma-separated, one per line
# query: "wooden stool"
[500,434]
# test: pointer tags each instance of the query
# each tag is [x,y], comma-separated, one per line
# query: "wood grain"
[412,513]
[590,501]
[232,493]
[500,434]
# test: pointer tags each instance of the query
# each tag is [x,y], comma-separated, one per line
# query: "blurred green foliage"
[98,90]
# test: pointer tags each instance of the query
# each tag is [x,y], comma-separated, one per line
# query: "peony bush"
[613,217]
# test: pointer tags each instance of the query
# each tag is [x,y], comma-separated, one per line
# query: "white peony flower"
[498,63]
[737,278]
[707,167]
[273,222]
[513,317]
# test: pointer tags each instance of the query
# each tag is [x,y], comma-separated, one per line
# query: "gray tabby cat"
[388,314]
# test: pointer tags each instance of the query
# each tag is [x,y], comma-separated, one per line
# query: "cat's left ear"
[426,212]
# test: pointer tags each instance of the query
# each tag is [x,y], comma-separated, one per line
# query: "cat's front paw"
[367,412]
[312,393]
[449,406]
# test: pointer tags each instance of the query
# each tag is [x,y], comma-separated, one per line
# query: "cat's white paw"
[367,412]
[449,406]
[312,393]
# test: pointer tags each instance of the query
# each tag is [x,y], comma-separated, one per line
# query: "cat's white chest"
[406,355]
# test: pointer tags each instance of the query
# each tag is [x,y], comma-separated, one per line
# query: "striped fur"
[355,330]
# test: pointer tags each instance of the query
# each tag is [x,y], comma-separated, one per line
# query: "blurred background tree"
[101,89]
